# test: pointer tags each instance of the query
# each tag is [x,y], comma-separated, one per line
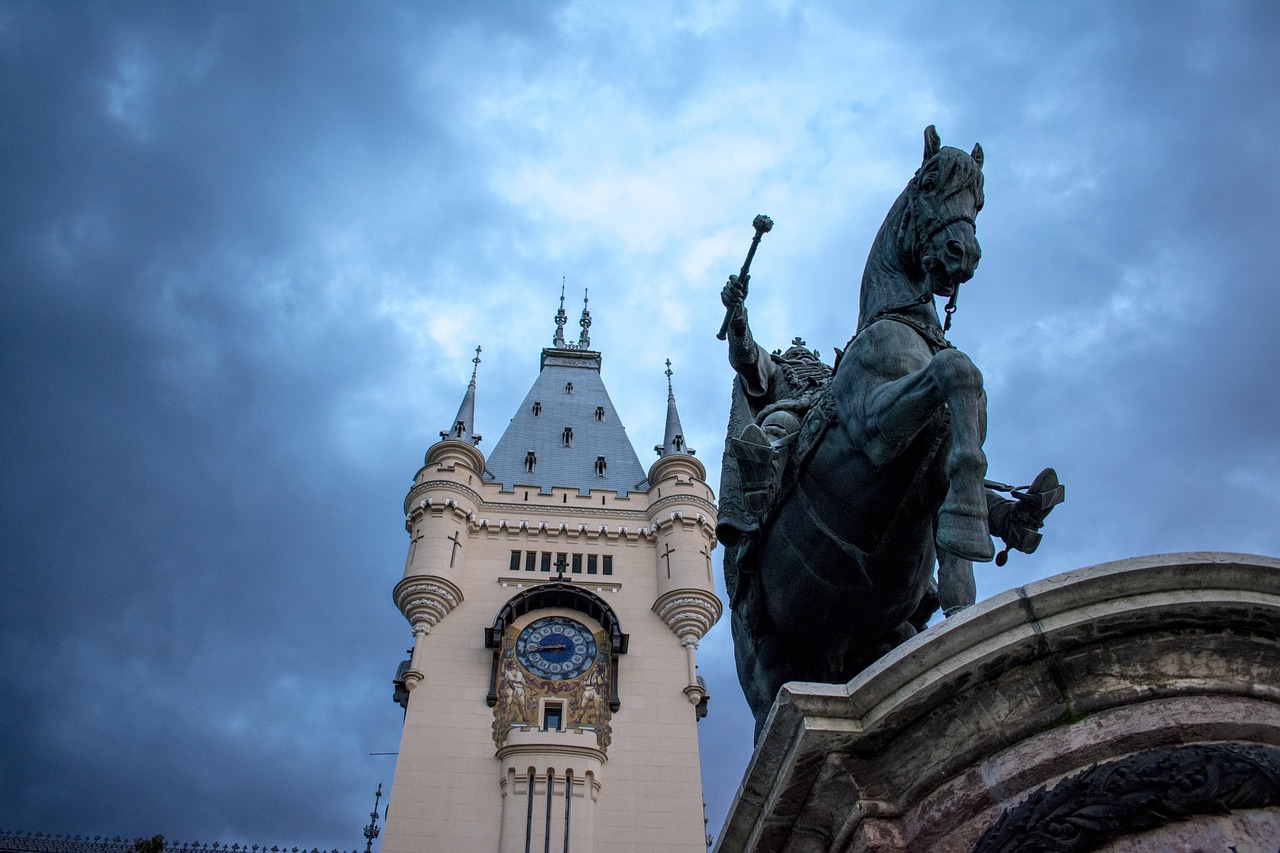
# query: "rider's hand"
[735,292]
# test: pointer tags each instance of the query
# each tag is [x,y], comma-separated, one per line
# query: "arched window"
[537,408]
[599,413]
[568,387]
[601,465]
[530,461]
[568,436]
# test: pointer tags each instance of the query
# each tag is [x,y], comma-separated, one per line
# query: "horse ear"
[976,154]
[932,143]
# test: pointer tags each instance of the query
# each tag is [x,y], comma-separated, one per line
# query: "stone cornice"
[709,508]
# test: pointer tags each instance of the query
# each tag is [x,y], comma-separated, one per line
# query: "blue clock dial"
[556,648]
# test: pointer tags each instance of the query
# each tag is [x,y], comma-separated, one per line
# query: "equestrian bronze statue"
[843,486]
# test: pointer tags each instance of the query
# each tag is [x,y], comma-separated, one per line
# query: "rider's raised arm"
[746,357]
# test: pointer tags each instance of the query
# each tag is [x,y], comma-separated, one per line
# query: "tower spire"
[561,319]
[673,440]
[464,427]
[584,340]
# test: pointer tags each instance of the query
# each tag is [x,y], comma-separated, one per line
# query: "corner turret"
[682,514]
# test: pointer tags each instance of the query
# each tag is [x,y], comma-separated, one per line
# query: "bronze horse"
[880,463]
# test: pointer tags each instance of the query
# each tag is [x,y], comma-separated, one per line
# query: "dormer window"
[678,443]
[601,465]
[599,413]
[568,387]
[568,436]
[530,462]
[459,429]
[537,408]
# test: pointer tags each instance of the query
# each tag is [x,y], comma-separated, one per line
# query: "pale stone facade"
[488,722]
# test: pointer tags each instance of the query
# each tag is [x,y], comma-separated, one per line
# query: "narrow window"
[608,564]
[568,436]
[599,413]
[568,387]
[546,561]
[459,429]
[552,716]
[591,564]
[577,564]
[537,408]
[530,462]
[530,561]
[515,561]
[678,442]
[601,465]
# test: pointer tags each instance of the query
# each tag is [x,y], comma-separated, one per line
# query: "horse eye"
[927,185]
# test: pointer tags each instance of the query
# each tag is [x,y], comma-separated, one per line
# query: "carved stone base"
[1130,703]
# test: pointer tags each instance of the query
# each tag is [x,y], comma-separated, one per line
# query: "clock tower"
[557,593]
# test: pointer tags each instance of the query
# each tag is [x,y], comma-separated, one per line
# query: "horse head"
[936,239]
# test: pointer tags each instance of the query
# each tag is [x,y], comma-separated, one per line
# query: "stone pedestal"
[1130,705]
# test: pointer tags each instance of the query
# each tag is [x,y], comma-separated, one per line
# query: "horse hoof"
[967,541]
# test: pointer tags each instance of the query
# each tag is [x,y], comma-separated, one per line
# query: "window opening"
[530,462]
[601,465]
[608,564]
[515,561]
[552,716]
[568,387]
[577,564]
[537,408]
[568,436]
[599,413]
[678,443]
[530,561]
[459,429]
[546,561]
[591,564]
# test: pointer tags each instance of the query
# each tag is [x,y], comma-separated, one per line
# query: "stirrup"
[1033,504]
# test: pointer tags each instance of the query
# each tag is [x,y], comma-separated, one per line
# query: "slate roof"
[571,465]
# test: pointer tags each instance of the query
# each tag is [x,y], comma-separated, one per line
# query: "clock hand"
[553,648]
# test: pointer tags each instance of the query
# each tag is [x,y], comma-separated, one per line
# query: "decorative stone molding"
[1137,793]
[425,600]
[689,613]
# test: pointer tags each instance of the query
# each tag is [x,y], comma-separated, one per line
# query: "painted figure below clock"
[556,648]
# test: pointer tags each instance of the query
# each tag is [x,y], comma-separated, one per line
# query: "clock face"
[556,648]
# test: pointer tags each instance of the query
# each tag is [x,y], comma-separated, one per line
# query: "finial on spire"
[673,439]
[584,340]
[561,319]
[464,428]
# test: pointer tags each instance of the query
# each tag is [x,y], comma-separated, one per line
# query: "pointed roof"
[566,433]
[464,427]
[673,438]
[561,319]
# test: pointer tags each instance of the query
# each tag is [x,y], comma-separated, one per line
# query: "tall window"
[568,436]
[552,716]
[530,461]
[568,387]
[537,408]
[599,413]
[600,466]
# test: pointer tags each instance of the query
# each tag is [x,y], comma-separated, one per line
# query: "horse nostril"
[955,249]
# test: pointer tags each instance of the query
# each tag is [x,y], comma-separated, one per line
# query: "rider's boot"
[1018,521]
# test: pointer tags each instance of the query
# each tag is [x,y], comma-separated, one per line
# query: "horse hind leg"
[962,519]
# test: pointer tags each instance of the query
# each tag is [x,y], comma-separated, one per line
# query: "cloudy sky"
[246,251]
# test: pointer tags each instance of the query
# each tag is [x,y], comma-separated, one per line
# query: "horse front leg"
[898,411]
